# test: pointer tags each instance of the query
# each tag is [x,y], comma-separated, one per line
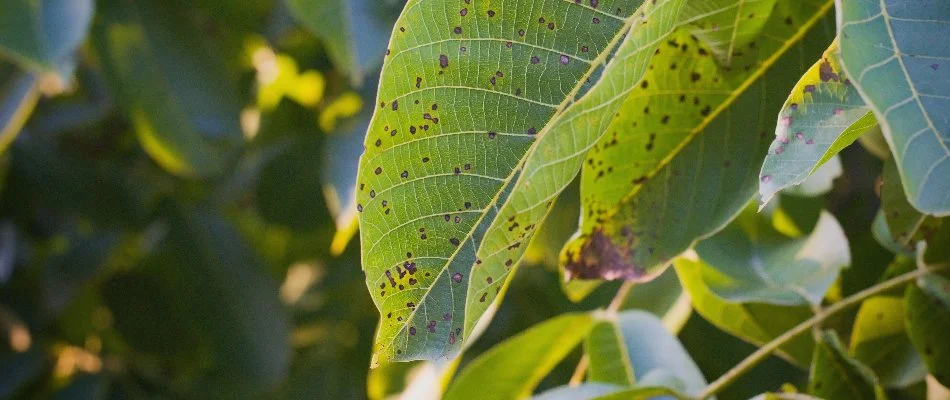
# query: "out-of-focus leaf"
[19,369]
[290,192]
[230,303]
[663,297]
[888,50]
[18,95]
[82,256]
[753,322]
[927,310]
[823,115]
[459,172]
[607,352]
[904,224]
[645,393]
[514,368]
[728,26]
[41,34]
[657,356]
[750,262]
[347,105]
[84,386]
[353,31]
[821,181]
[279,76]
[679,160]
[175,89]
[878,340]
[784,396]
[587,391]
[835,375]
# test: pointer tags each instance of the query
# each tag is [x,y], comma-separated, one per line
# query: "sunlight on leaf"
[878,340]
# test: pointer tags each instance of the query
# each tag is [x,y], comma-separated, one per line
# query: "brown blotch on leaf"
[601,257]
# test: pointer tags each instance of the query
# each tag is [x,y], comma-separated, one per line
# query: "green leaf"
[823,115]
[354,32]
[42,34]
[754,322]
[878,340]
[654,185]
[18,370]
[453,188]
[726,26]
[835,375]
[903,224]
[644,393]
[751,262]
[18,95]
[607,352]
[927,307]
[600,391]
[888,49]
[184,107]
[513,368]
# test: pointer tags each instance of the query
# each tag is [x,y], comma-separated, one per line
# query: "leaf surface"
[878,340]
[607,352]
[726,26]
[888,48]
[681,158]
[18,95]
[835,375]
[927,307]
[484,116]
[42,34]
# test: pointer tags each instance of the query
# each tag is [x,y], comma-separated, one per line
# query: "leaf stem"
[581,370]
[763,352]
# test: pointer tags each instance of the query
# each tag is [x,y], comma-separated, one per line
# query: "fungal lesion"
[599,255]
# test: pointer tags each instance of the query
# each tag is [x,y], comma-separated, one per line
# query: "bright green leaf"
[927,307]
[18,95]
[607,352]
[753,263]
[835,375]
[889,50]
[42,34]
[176,91]
[514,368]
[753,322]
[464,160]
[680,159]
[823,115]
[878,340]
[726,26]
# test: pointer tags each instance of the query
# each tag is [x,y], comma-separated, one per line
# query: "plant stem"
[763,352]
[581,370]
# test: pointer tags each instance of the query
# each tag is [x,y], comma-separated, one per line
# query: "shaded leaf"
[42,34]
[835,375]
[727,26]
[353,31]
[513,368]
[749,261]
[18,95]
[903,223]
[607,352]
[653,185]
[587,391]
[20,369]
[173,86]
[878,340]
[820,181]
[753,322]
[823,114]
[887,48]
[453,188]
[927,307]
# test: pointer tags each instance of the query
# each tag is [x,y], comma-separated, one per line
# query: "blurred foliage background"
[176,207]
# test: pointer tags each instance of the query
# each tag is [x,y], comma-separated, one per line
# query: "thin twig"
[763,352]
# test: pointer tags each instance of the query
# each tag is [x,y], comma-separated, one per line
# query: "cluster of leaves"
[708,135]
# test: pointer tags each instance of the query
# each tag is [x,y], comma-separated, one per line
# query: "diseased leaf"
[478,128]
[823,115]
[728,26]
[42,34]
[353,31]
[750,262]
[835,375]
[753,322]
[681,158]
[927,307]
[19,93]
[607,352]
[176,92]
[888,50]
[513,368]
[820,181]
[878,340]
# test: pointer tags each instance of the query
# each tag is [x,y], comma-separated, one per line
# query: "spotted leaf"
[888,50]
[823,115]
[726,27]
[484,114]
[927,306]
[680,159]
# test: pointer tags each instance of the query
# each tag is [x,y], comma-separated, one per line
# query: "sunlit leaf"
[750,262]
[42,34]
[728,26]
[753,322]
[18,96]
[927,307]
[680,159]
[176,91]
[514,368]
[878,340]
[823,115]
[835,375]
[888,50]
[353,31]
[464,160]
